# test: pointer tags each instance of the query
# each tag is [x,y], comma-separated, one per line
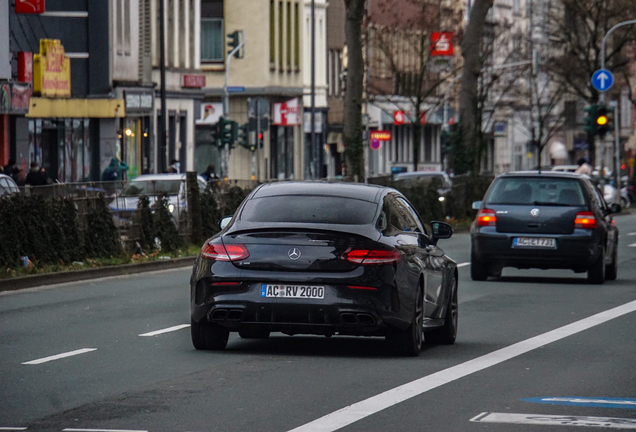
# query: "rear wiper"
[545,203]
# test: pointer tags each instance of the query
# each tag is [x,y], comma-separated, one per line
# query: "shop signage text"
[14,97]
[442,44]
[193,81]
[51,70]
[29,6]
[286,113]
[381,135]
[138,101]
[25,67]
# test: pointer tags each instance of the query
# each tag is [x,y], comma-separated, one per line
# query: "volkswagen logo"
[534,212]
[294,254]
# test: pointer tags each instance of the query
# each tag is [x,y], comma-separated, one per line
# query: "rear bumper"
[576,251]
[242,307]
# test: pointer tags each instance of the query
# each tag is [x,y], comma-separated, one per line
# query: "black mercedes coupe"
[325,259]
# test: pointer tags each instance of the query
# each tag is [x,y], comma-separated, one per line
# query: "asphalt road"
[536,351]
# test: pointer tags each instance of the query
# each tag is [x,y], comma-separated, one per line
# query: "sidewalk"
[22,282]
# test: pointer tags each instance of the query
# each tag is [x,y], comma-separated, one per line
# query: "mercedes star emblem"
[294,254]
[534,212]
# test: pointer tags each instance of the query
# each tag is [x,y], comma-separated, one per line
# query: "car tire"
[596,273]
[611,270]
[253,334]
[409,342]
[478,270]
[446,334]
[208,336]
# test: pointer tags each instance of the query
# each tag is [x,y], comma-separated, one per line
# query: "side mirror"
[476,205]
[441,230]
[225,222]
[615,208]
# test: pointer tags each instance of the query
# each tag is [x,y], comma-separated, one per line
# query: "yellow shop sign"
[51,70]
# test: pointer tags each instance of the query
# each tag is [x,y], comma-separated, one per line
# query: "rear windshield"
[309,209]
[152,187]
[537,191]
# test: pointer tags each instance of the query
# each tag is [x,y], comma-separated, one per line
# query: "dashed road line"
[556,420]
[102,430]
[463,264]
[59,356]
[166,330]
[12,428]
[365,408]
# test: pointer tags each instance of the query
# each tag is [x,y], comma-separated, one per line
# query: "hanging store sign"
[193,81]
[286,113]
[380,135]
[51,70]
[138,102]
[399,118]
[29,6]
[25,67]
[14,97]
[442,44]
[211,112]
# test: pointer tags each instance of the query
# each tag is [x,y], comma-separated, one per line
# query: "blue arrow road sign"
[602,80]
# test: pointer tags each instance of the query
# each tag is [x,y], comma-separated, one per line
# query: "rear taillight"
[486,217]
[585,220]
[219,252]
[369,257]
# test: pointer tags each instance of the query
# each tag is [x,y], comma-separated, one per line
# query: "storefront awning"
[76,108]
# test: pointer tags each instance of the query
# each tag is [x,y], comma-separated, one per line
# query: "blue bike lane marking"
[601,402]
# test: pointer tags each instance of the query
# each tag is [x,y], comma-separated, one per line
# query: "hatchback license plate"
[538,242]
[293,291]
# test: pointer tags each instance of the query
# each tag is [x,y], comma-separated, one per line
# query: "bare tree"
[400,63]
[352,129]
[470,126]
[576,29]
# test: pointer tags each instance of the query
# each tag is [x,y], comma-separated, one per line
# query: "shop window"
[212,32]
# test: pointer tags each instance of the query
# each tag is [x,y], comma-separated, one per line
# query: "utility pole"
[315,159]
[162,70]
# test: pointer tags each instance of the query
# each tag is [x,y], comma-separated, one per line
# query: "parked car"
[546,220]
[627,195]
[326,259]
[153,186]
[426,177]
[564,168]
[7,185]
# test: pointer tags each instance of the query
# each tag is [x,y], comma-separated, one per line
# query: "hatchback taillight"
[219,252]
[585,220]
[369,257]
[486,217]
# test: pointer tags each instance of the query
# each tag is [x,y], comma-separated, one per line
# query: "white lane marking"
[59,356]
[101,430]
[631,245]
[357,411]
[12,428]
[166,330]
[631,234]
[463,264]
[556,420]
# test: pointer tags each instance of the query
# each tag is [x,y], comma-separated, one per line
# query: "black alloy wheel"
[447,334]
[409,342]
[611,270]
[208,336]
[596,273]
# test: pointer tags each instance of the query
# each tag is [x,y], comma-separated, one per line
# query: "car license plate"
[293,291]
[537,242]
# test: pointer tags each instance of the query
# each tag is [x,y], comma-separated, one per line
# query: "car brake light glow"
[367,257]
[358,287]
[486,217]
[218,252]
[585,220]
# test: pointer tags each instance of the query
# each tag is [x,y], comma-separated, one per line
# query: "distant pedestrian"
[115,171]
[12,170]
[209,174]
[36,176]
[584,166]
[176,166]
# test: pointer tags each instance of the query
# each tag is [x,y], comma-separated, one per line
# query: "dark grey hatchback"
[326,259]
[545,220]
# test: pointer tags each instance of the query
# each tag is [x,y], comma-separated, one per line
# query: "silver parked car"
[7,185]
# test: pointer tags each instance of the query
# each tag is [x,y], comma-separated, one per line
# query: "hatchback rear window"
[309,209]
[152,187]
[537,191]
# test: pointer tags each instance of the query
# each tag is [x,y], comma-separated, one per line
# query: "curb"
[22,282]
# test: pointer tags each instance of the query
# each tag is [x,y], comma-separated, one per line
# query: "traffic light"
[224,132]
[242,138]
[234,131]
[604,120]
[590,119]
[233,40]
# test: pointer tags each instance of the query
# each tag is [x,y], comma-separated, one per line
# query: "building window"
[272,34]
[212,32]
